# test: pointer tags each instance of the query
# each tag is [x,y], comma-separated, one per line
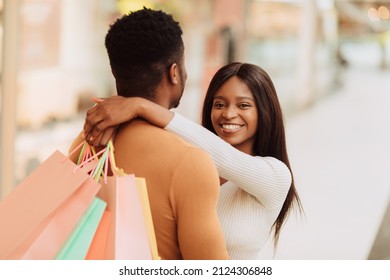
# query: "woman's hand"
[103,119]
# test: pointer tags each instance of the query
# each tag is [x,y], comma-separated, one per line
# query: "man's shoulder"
[146,128]
[149,134]
[141,139]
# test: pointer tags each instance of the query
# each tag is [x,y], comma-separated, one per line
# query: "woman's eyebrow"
[219,97]
[245,97]
[237,98]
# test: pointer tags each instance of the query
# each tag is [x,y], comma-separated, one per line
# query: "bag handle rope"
[105,162]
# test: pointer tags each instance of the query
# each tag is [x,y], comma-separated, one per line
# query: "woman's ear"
[174,74]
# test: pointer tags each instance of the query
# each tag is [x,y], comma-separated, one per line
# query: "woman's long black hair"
[270,137]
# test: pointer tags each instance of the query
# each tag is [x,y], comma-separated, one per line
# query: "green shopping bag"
[77,245]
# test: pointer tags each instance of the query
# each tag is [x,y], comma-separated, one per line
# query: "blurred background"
[329,60]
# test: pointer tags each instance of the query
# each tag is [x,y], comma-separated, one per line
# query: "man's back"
[183,188]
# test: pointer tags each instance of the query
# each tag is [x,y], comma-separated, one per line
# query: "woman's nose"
[229,113]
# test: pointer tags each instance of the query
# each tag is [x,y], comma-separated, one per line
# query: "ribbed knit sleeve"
[266,178]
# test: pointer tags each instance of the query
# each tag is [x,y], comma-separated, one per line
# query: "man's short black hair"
[141,46]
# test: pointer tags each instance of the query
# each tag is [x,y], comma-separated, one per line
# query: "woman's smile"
[230,128]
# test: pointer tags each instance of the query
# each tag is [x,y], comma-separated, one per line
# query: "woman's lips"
[230,127]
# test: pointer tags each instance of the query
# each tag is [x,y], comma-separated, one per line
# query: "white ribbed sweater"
[251,199]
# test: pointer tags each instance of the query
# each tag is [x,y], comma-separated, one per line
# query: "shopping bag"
[97,249]
[53,235]
[37,217]
[77,245]
[127,236]
[131,235]
[143,196]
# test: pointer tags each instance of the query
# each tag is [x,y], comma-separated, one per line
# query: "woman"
[243,131]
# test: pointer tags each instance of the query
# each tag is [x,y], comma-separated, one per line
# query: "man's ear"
[174,74]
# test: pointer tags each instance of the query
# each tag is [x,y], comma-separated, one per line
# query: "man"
[146,55]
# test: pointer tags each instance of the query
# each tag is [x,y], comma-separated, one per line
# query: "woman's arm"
[266,178]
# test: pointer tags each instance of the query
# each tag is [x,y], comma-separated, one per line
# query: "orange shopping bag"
[37,217]
[97,250]
[130,230]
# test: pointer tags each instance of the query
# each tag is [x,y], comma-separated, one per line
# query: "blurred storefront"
[53,59]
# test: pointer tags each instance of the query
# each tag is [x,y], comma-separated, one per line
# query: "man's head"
[146,53]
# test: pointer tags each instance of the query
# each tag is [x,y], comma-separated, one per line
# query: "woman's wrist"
[153,112]
[140,106]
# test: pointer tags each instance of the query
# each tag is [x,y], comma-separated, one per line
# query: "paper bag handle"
[105,160]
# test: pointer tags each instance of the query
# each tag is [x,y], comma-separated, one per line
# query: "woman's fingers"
[93,117]
[98,129]
[97,99]
[96,141]
[107,134]
[101,139]
[89,125]
[103,118]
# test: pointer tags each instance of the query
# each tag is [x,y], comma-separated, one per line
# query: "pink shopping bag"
[38,215]
[131,233]
[127,236]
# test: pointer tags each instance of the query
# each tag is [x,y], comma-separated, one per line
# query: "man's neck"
[162,96]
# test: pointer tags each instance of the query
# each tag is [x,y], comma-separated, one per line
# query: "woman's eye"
[244,105]
[218,105]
